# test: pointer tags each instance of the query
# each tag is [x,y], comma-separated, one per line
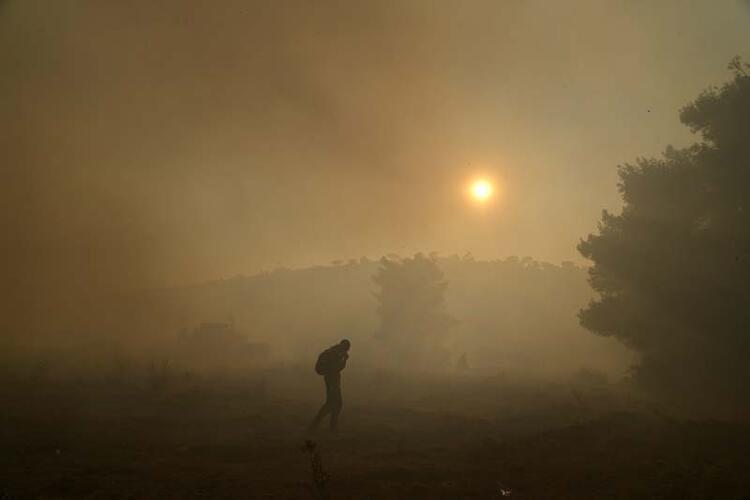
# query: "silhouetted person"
[463,363]
[329,364]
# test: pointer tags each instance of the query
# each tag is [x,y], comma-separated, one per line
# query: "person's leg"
[324,410]
[336,402]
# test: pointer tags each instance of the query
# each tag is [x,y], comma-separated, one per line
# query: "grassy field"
[446,438]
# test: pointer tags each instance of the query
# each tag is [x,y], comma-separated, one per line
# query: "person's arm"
[342,361]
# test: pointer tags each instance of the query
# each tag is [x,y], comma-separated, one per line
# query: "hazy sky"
[158,142]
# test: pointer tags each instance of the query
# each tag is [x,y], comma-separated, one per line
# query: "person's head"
[344,345]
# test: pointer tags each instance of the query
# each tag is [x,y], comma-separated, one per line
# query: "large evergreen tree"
[673,268]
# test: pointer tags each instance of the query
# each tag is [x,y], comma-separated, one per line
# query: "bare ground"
[97,442]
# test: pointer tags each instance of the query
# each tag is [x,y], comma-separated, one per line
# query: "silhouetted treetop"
[719,115]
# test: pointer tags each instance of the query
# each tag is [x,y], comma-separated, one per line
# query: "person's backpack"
[325,360]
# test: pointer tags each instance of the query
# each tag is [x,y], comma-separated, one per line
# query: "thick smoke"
[173,142]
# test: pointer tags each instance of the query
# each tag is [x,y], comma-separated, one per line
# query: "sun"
[481,190]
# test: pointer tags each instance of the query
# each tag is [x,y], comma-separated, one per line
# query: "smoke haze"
[175,142]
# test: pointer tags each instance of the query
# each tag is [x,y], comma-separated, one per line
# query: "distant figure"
[329,364]
[463,363]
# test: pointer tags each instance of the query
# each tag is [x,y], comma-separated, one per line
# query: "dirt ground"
[447,441]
